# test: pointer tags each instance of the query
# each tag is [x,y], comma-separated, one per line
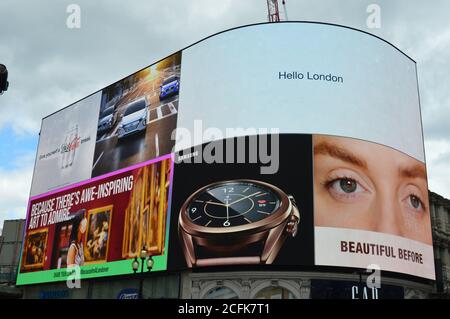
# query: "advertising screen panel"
[99,224]
[371,207]
[231,214]
[137,116]
[302,78]
[66,146]
[345,85]
[126,123]
[333,201]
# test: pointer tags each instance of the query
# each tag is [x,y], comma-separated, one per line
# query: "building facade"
[10,246]
[440,218]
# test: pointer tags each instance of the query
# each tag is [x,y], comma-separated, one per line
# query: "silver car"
[107,120]
[134,118]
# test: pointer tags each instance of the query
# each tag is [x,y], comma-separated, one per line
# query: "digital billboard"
[343,87]
[126,123]
[230,214]
[66,146]
[371,207]
[99,224]
[333,201]
[291,144]
[137,117]
[302,78]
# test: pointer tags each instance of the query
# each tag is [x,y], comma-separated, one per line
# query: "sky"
[51,66]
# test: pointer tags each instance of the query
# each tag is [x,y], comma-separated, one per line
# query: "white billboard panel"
[66,146]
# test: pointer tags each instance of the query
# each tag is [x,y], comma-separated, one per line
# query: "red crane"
[274,12]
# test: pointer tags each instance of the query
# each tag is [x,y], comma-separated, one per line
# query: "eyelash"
[422,205]
[328,183]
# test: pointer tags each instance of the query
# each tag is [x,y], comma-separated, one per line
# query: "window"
[221,293]
[135,107]
[274,292]
[108,111]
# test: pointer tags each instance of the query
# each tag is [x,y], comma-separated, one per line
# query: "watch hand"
[227,222]
[209,202]
[215,203]
[228,211]
[243,198]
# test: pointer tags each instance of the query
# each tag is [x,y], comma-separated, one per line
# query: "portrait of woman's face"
[83,224]
[364,185]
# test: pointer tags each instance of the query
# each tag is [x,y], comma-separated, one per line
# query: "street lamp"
[145,259]
[3,78]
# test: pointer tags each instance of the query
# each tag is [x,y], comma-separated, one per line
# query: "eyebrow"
[416,171]
[325,148]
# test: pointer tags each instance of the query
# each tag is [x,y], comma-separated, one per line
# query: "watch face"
[232,204]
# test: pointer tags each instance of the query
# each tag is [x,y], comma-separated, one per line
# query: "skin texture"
[72,251]
[363,185]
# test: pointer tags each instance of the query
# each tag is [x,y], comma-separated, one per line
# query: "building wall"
[55,291]
[440,220]
[298,284]
[154,287]
[10,247]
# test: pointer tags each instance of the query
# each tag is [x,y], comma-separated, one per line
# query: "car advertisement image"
[137,116]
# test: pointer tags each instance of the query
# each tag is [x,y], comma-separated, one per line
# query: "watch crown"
[292,226]
[292,199]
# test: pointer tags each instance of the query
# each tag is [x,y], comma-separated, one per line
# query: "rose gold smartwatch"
[236,222]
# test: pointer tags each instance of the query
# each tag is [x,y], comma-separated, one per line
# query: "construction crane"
[274,12]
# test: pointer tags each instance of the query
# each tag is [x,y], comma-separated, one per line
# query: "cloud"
[438,166]
[14,191]
[423,33]
[51,66]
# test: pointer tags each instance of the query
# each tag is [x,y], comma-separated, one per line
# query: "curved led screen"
[287,144]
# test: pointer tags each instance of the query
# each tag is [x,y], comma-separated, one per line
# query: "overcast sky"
[52,66]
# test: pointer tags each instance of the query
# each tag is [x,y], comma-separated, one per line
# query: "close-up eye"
[415,202]
[344,187]
[413,199]
[348,185]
